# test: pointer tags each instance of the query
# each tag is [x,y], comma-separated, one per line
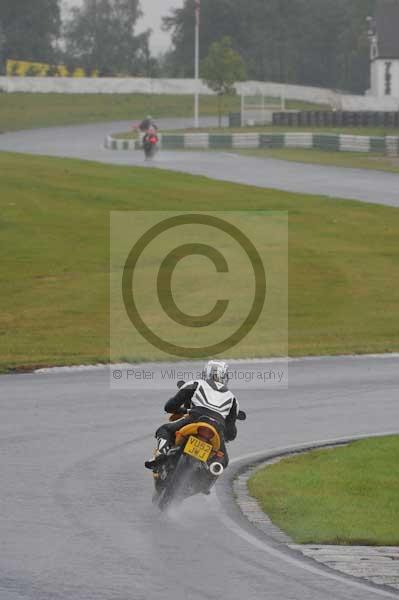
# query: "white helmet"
[217,371]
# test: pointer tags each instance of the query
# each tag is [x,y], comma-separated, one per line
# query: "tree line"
[311,42]
[100,36]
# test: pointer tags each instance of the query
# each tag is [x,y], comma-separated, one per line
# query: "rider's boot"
[163,447]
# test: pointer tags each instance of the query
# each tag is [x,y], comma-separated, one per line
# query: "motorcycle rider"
[207,397]
[146,124]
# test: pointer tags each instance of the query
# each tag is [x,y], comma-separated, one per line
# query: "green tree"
[353,39]
[216,21]
[2,50]
[101,35]
[221,69]
[310,42]
[30,29]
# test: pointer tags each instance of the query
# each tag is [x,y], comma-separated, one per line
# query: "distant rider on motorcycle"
[207,397]
[146,124]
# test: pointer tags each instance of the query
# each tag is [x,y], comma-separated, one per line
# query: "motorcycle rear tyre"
[171,492]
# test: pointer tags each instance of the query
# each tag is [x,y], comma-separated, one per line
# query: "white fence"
[319,96]
[100,85]
[132,85]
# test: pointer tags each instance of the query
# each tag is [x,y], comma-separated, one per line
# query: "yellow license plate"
[198,449]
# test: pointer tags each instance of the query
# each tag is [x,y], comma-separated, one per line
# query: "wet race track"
[76,520]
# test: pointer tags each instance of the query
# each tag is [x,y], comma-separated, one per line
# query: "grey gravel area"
[378,565]
[251,509]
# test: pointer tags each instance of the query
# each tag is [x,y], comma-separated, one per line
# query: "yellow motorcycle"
[192,465]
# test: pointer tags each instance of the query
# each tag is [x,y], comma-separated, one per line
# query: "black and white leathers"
[209,397]
[213,396]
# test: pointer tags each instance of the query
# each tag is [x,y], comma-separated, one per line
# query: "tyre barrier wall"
[336,118]
[314,118]
[388,145]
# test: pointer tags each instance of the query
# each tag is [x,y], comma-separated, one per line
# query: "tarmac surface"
[87,141]
[76,520]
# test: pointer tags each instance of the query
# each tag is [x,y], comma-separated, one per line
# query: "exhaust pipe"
[216,468]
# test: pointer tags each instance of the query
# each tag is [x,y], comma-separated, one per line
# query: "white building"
[384,49]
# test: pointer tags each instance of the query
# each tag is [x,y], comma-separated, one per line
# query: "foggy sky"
[153,11]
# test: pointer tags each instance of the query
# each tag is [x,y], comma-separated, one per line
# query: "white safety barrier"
[245,140]
[101,85]
[330,142]
[336,100]
[196,140]
[302,140]
[354,143]
[141,85]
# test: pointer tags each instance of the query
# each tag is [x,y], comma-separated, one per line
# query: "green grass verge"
[346,495]
[54,214]
[27,111]
[352,160]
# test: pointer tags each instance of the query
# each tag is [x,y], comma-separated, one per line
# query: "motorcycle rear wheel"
[174,490]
